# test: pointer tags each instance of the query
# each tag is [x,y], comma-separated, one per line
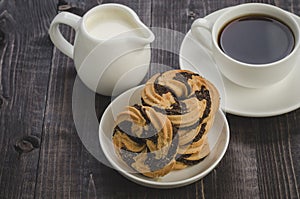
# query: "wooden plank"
[293,150]
[60,171]
[275,172]
[24,72]
[236,175]
[258,163]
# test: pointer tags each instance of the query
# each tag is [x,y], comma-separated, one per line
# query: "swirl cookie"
[190,103]
[145,140]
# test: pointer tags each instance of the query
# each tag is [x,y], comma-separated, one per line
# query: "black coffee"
[256,39]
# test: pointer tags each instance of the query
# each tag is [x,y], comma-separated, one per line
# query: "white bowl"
[218,139]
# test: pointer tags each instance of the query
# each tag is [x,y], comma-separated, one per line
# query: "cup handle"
[55,35]
[196,32]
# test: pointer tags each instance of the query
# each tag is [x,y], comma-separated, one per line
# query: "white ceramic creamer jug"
[111,50]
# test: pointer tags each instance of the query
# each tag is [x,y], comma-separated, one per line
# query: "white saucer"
[218,139]
[277,99]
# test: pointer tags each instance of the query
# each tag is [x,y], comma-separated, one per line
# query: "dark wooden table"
[41,155]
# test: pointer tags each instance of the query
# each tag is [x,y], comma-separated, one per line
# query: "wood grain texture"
[24,73]
[41,153]
[61,173]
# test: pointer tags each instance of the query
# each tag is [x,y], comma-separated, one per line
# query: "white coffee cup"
[110,42]
[245,74]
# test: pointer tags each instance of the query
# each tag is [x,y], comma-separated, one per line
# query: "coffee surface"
[256,39]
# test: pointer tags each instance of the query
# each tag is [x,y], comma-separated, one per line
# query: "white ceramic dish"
[277,99]
[218,138]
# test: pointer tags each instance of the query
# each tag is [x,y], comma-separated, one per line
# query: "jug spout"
[146,37]
[131,26]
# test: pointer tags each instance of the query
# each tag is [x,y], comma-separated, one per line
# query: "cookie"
[185,160]
[145,140]
[190,103]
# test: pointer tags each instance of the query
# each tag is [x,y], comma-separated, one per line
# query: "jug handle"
[55,35]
